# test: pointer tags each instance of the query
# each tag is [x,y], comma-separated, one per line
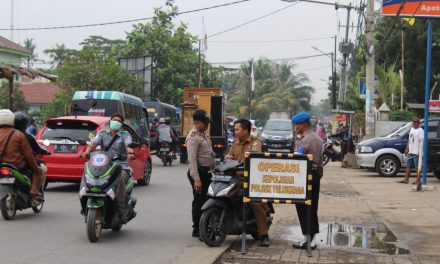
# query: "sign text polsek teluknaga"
[278,178]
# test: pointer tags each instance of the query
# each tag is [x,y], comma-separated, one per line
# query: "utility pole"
[200,64]
[343,89]
[402,74]
[369,102]
[334,78]
[12,20]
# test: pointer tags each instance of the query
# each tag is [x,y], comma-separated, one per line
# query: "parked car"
[278,136]
[67,137]
[386,154]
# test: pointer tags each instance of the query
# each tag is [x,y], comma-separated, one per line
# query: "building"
[12,53]
[37,92]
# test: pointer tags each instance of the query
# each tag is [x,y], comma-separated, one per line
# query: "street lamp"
[333,59]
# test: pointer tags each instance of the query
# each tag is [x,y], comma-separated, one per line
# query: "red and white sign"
[434,106]
[412,8]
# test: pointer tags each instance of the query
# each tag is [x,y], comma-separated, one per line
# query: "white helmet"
[6,117]
[161,120]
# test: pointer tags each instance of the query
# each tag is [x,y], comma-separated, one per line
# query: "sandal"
[35,195]
[403,181]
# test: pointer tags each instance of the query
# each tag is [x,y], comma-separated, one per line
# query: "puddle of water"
[375,238]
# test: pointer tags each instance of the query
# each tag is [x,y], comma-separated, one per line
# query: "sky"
[304,25]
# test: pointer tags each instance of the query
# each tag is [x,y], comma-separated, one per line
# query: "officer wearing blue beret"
[309,143]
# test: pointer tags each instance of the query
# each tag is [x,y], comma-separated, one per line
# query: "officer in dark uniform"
[201,159]
[309,143]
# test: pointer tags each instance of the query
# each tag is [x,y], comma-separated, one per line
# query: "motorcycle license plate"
[164,149]
[222,178]
[64,148]
[276,145]
[8,180]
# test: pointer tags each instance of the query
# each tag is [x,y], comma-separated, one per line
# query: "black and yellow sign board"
[278,178]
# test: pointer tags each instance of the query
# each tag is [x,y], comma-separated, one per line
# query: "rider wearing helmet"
[175,139]
[165,132]
[15,150]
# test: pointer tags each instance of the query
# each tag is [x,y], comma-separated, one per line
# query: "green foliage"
[59,106]
[277,88]
[19,103]
[401,115]
[30,45]
[174,58]
[58,54]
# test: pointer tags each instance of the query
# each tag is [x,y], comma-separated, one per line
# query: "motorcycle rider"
[175,139]
[119,146]
[21,123]
[166,134]
[243,142]
[18,152]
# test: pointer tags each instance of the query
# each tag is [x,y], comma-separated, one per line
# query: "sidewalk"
[364,218]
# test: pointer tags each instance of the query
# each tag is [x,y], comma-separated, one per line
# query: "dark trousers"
[301,209]
[199,198]
[121,193]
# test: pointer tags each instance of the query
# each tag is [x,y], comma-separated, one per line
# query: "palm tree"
[58,54]
[30,45]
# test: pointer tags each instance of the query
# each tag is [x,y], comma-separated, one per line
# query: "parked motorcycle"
[98,195]
[165,153]
[332,150]
[14,192]
[222,213]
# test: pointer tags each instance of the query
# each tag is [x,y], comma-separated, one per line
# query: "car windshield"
[400,131]
[278,125]
[71,131]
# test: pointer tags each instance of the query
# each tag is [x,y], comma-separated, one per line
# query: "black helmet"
[167,120]
[202,115]
[21,121]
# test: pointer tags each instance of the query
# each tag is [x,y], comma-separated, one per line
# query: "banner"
[412,8]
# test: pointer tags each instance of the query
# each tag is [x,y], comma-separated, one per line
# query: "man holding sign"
[309,143]
[243,142]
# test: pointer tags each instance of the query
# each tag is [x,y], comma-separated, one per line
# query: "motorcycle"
[14,192]
[165,153]
[98,197]
[222,213]
[332,150]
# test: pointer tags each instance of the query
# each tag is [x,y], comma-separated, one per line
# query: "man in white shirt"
[412,150]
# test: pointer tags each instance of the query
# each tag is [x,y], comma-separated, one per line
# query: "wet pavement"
[363,219]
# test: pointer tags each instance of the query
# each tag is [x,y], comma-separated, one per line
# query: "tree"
[174,59]
[58,54]
[20,103]
[30,45]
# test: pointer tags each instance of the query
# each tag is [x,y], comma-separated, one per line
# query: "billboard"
[434,106]
[416,8]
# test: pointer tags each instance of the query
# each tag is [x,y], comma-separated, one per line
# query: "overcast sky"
[298,22]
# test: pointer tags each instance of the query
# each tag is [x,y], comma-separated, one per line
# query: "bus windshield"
[101,107]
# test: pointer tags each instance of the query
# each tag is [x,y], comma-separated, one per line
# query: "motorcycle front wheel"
[212,231]
[8,207]
[94,224]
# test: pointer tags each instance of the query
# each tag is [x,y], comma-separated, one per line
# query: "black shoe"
[195,232]
[265,241]
[303,245]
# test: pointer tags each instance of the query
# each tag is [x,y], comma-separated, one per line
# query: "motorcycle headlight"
[82,192]
[210,191]
[366,149]
[95,182]
[225,191]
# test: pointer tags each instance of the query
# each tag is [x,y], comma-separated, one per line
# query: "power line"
[122,21]
[253,20]
[272,60]
[268,41]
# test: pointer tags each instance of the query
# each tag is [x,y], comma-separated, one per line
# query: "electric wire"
[269,41]
[120,22]
[272,60]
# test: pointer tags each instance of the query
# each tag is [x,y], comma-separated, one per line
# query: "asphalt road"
[160,233]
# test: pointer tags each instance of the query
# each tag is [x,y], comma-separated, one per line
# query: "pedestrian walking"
[201,159]
[309,143]
[415,140]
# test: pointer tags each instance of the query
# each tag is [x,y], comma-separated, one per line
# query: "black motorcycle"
[164,153]
[98,195]
[332,150]
[222,213]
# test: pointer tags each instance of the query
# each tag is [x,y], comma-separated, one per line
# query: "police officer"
[243,142]
[309,143]
[201,160]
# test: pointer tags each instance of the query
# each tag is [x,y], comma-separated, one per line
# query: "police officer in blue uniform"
[309,143]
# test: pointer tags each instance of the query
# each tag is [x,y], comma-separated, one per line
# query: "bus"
[106,103]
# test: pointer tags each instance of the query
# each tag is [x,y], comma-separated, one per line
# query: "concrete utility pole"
[402,74]
[343,89]
[12,20]
[369,102]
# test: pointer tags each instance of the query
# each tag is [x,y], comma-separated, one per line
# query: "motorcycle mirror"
[46,142]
